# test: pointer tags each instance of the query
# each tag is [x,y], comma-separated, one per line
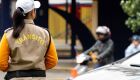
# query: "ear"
[33,14]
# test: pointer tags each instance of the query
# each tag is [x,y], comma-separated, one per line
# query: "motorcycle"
[82,61]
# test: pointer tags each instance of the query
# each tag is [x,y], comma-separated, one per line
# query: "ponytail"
[18,22]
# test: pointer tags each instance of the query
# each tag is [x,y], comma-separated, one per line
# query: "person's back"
[28,51]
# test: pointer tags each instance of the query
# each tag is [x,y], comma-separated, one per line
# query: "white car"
[124,69]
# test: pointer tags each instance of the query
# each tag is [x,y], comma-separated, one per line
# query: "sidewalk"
[63,49]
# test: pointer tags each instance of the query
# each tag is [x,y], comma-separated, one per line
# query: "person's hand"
[94,58]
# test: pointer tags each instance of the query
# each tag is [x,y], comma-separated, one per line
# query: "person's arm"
[107,51]
[4,53]
[51,58]
[93,48]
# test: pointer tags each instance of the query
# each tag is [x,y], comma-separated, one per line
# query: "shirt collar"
[28,21]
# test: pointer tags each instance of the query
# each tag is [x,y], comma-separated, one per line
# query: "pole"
[66,36]
[73,36]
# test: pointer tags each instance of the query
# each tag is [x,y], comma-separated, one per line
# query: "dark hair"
[18,22]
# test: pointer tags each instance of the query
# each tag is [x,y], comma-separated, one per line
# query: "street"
[57,75]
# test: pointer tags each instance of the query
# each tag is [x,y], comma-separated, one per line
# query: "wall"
[88,15]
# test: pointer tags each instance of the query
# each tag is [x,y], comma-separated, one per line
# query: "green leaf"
[132,9]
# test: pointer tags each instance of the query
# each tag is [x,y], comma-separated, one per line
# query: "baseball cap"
[136,37]
[27,5]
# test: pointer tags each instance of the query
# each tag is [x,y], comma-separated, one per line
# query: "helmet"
[103,30]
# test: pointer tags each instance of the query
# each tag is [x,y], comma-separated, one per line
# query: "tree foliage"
[132,9]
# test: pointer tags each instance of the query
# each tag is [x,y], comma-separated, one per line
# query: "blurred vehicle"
[80,69]
[125,69]
[84,58]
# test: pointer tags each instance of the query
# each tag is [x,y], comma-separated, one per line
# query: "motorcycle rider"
[103,48]
[102,51]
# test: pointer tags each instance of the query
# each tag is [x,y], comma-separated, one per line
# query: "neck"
[29,17]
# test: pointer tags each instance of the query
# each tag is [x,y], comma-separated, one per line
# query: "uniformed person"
[26,50]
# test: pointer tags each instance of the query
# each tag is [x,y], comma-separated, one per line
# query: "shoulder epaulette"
[8,29]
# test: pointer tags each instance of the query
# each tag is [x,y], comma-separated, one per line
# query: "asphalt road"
[57,75]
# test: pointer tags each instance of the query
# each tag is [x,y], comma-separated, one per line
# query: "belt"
[25,73]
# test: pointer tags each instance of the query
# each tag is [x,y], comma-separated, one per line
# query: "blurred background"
[72,24]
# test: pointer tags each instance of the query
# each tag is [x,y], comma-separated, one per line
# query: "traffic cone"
[74,73]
